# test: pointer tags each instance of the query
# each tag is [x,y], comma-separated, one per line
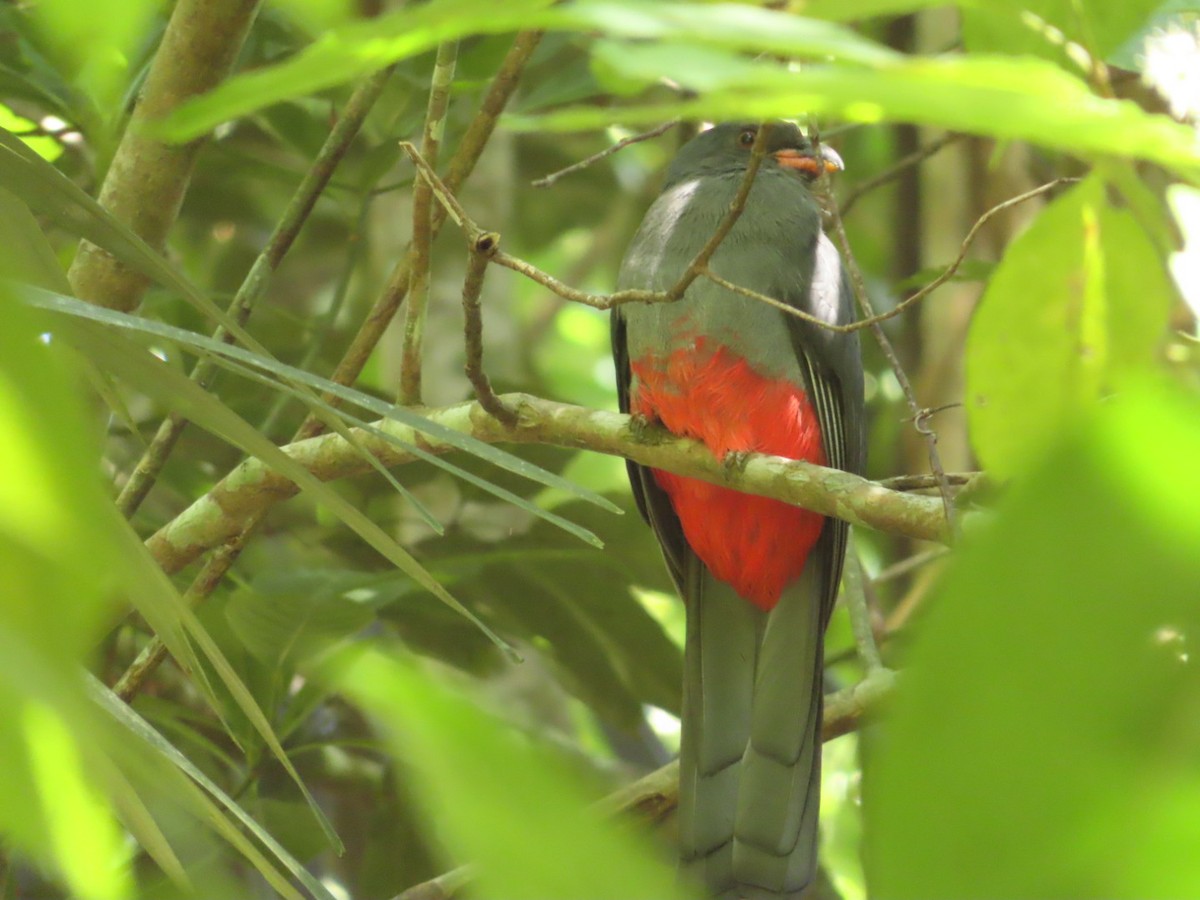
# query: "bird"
[758,577]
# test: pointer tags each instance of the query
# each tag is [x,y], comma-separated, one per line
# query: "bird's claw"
[734,462]
[639,425]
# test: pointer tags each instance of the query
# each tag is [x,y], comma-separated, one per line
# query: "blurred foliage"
[1041,743]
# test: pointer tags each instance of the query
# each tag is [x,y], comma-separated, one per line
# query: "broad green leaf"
[473,777]
[850,10]
[85,839]
[344,54]
[1021,99]
[1078,302]
[1043,740]
[735,26]
[94,41]
[356,50]
[1045,27]
[286,617]
[55,604]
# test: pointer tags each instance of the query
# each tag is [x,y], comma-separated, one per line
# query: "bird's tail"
[750,761]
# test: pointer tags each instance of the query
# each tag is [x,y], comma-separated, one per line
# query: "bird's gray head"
[725,149]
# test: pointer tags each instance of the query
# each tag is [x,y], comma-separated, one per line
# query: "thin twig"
[550,179]
[904,566]
[477,263]
[889,352]
[147,470]
[854,594]
[470,148]
[896,170]
[695,269]
[155,651]
[951,269]
[422,225]
[917,297]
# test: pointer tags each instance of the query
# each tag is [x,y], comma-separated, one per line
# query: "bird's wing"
[652,502]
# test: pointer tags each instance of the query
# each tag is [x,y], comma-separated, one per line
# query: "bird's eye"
[746,138]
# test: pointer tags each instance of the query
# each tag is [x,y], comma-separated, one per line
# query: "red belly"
[756,544]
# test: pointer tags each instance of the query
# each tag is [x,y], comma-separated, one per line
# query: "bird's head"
[725,149]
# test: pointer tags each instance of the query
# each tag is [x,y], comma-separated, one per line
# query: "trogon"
[758,577]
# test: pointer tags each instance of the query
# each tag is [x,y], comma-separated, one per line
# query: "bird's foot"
[734,461]
[641,427]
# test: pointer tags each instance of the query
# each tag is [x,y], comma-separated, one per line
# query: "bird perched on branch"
[759,577]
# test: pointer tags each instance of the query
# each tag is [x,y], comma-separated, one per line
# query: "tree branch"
[252,487]
[422,222]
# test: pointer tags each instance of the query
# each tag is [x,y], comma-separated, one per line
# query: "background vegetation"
[206,691]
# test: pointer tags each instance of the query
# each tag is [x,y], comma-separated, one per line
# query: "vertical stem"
[470,148]
[145,184]
[854,584]
[422,230]
[477,262]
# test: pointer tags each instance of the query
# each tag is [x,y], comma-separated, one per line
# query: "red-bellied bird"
[758,577]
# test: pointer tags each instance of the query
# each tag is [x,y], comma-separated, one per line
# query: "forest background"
[286,611]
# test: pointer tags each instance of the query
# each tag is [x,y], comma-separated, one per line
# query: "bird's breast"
[698,387]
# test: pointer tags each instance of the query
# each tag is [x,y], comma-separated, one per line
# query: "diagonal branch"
[548,180]
[251,488]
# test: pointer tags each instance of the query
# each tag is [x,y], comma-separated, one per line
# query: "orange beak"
[828,161]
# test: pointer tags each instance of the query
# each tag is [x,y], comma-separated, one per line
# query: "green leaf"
[356,50]
[346,53]
[466,443]
[1015,99]
[127,717]
[473,777]
[734,26]
[1044,27]
[95,41]
[286,617]
[55,605]
[851,10]
[1043,741]
[1078,302]
[126,358]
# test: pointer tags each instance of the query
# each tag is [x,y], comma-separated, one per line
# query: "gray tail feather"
[750,762]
